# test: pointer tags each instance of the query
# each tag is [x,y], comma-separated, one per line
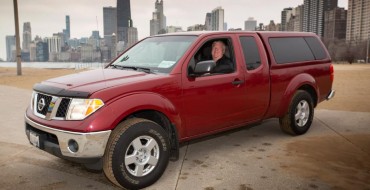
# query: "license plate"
[35,139]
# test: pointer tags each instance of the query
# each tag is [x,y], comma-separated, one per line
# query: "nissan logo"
[41,104]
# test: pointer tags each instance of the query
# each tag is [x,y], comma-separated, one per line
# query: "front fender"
[140,101]
[294,84]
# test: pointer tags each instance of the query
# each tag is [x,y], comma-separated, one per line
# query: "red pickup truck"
[129,118]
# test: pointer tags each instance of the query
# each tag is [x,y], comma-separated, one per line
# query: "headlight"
[81,108]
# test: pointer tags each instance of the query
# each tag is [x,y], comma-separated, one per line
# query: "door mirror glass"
[204,67]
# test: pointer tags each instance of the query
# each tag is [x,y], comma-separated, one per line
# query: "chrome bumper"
[90,145]
[331,95]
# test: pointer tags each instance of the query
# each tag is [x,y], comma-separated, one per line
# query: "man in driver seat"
[223,63]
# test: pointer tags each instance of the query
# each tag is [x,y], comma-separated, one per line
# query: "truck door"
[257,76]
[214,101]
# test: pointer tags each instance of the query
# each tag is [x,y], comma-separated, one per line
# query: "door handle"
[237,82]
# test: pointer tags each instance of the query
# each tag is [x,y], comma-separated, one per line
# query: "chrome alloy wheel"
[302,113]
[142,156]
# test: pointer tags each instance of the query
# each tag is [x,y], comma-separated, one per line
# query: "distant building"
[67,31]
[271,26]
[32,51]
[54,44]
[110,20]
[313,17]
[25,55]
[158,22]
[27,36]
[295,22]
[197,27]
[335,24]
[10,47]
[217,19]
[358,21]
[208,22]
[172,29]
[42,53]
[123,19]
[286,15]
[250,24]
[132,37]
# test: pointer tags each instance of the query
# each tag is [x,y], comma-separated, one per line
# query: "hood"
[95,80]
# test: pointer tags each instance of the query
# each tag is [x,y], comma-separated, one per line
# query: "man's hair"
[223,46]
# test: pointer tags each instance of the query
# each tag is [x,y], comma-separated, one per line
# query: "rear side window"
[250,50]
[316,48]
[292,49]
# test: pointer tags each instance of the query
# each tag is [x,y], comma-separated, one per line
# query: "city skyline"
[84,20]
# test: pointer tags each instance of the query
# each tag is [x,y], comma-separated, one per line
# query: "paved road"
[334,154]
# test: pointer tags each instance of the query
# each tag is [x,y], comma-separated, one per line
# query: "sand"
[351,82]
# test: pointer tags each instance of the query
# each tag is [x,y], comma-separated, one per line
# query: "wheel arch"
[153,107]
[302,81]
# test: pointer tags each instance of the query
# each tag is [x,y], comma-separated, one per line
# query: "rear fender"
[294,84]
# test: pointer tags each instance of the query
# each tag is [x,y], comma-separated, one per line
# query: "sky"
[48,16]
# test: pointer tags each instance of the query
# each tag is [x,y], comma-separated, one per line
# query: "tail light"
[331,73]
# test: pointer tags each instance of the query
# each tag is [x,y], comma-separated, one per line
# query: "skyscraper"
[27,36]
[123,19]
[335,24]
[217,18]
[10,48]
[250,24]
[208,22]
[109,20]
[286,15]
[158,22]
[358,21]
[313,17]
[68,28]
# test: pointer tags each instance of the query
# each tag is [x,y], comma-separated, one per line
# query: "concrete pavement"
[334,154]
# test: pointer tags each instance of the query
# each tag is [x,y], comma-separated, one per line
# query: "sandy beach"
[351,82]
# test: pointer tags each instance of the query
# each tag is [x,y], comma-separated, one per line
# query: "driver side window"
[213,57]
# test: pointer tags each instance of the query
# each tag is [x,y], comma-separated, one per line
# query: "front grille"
[63,107]
[47,100]
[54,108]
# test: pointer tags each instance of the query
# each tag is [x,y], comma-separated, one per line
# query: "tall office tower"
[298,18]
[109,20]
[27,37]
[158,22]
[123,19]
[286,15]
[208,22]
[335,23]
[10,47]
[217,19]
[358,21]
[131,36]
[250,24]
[313,17]
[67,34]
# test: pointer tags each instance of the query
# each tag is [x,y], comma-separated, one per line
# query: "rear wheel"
[300,114]
[137,154]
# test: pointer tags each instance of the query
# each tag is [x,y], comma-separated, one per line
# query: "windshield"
[154,55]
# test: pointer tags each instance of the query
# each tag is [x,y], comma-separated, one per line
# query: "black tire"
[128,143]
[300,114]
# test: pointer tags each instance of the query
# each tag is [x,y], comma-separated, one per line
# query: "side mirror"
[204,67]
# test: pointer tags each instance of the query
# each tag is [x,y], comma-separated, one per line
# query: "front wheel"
[137,154]
[300,114]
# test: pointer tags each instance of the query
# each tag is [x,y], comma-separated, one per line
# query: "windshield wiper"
[144,69]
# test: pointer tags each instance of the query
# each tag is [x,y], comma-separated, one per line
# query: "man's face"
[217,51]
